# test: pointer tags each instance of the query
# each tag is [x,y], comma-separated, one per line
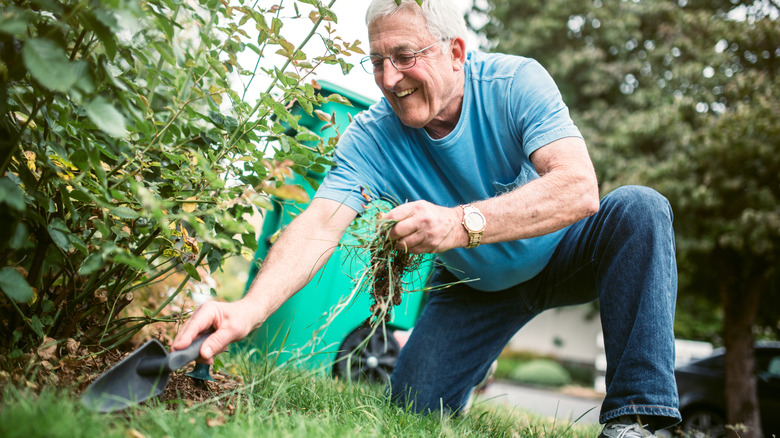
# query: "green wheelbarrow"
[323,327]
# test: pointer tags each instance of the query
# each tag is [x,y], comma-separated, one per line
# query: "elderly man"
[498,181]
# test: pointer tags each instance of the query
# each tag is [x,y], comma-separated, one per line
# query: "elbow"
[587,196]
[590,200]
[591,207]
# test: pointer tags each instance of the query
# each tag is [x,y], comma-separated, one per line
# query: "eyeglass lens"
[401,60]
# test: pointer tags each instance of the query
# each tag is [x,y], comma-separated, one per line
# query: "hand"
[426,228]
[231,322]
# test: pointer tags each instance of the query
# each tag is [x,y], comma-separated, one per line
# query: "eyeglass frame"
[390,57]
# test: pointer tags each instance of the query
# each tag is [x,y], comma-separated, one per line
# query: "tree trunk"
[741,300]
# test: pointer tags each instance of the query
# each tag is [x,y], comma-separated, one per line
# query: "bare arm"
[301,250]
[566,192]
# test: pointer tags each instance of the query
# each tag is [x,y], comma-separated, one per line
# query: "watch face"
[474,221]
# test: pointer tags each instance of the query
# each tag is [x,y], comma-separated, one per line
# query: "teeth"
[405,93]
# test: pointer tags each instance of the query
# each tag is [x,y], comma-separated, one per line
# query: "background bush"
[126,155]
[543,372]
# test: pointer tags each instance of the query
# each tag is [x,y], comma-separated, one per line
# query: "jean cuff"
[659,417]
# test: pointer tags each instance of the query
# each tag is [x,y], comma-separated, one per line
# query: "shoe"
[626,427]
[480,387]
[488,377]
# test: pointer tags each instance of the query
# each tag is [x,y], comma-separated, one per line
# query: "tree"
[126,154]
[680,96]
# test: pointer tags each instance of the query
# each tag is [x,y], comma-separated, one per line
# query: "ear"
[458,53]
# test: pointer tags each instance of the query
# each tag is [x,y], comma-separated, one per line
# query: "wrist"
[474,223]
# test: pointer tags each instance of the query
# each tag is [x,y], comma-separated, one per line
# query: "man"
[497,180]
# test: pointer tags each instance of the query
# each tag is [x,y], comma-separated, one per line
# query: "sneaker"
[480,387]
[626,427]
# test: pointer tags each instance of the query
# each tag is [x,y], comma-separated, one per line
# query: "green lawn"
[273,402]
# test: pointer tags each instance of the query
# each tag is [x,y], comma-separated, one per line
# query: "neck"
[442,125]
[440,130]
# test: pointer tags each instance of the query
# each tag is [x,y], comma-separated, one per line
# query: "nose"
[390,75]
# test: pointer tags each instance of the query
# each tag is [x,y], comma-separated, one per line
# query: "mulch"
[72,367]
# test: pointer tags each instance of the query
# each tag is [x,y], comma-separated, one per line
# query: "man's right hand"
[231,322]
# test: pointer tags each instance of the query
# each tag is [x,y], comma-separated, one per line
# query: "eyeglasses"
[401,60]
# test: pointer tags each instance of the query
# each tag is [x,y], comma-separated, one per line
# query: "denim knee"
[641,201]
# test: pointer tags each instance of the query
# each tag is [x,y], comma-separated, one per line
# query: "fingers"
[229,322]
[216,343]
[202,320]
[422,227]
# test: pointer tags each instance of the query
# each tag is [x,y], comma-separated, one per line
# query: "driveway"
[548,403]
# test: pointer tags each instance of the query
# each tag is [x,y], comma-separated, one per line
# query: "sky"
[350,27]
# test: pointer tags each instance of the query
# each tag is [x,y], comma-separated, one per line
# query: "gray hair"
[442,20]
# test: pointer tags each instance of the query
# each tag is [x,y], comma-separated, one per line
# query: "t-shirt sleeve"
[353,173]
[537,109]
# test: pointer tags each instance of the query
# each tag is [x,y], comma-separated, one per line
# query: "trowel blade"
[123,385]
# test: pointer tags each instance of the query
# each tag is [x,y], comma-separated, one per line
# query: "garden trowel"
[138,377]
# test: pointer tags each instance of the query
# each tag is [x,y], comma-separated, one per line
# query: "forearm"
[540,207]
[293,260]
[301,250]
[566,192]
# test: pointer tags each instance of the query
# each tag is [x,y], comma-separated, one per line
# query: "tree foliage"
[677,95]
[681,96]
[126,153]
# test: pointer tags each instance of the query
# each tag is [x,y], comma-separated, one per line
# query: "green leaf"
[107,118]
[217,119]
[285,142]
[307,136]
[19,237]
[78,243]
[128,259]
[92,263]
[214,259]
[165,24]
[11,195]
[325,12]
[124,212]
[79,195]
[306,105]
[15,285]
[12,25]
[192,270]
[250,241]
[47,306]
[337,98]
[104,25]
[59,234]
[49,65]
[37,325]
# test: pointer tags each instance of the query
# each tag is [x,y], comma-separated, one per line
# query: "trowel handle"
[179,358]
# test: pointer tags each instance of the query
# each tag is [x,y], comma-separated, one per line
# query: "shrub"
[126,155]
[544,372]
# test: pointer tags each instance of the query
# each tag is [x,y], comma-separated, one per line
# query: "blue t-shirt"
[511,107]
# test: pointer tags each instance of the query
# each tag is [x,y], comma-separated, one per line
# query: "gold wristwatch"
[474,223]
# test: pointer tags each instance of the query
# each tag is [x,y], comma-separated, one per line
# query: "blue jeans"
[624,255]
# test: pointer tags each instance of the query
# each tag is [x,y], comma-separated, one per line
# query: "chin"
[411,120]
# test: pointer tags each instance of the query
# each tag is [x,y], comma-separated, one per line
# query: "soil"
[221,392]
[388,267]
[386,287]
[74,370]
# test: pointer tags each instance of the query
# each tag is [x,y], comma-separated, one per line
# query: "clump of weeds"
[387,269]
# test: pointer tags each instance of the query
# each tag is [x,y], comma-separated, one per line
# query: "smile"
[405,92]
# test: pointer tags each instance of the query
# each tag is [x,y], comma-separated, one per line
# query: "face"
[429,94]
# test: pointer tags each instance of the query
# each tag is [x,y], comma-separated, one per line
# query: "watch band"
[474,240]
[475,230]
